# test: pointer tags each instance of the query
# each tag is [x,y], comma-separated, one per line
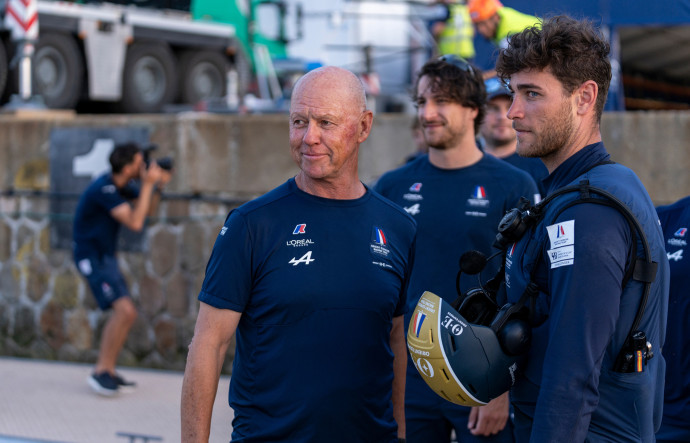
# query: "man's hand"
[153,174]
[166,176]
[489,419]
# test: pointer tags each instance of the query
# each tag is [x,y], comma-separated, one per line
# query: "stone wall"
[46,310]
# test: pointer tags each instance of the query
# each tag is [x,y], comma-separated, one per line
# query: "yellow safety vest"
[512,22]
[458,34]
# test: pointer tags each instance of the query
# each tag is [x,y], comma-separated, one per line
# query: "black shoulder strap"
[641,269]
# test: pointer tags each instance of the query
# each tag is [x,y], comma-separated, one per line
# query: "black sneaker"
[124,385]
[103,384]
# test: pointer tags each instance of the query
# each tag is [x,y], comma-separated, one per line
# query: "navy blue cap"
[495,88]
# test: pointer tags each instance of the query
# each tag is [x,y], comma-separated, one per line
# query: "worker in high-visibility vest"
[496,22]
[455,35]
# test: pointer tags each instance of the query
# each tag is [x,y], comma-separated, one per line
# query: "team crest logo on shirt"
[681,232]
[379,243]
[418,321]
[478,197]
[300,229]
[416,187]
[109,189]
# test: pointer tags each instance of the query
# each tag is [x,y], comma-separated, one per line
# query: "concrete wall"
[46,311]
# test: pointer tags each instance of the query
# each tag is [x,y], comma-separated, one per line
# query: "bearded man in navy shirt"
[589,304]
[457,194]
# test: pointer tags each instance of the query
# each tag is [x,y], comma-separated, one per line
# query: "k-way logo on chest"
[562,238]
[299,242]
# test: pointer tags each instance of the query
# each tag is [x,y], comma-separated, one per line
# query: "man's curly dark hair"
[123,155]
[463,86]
[573,50]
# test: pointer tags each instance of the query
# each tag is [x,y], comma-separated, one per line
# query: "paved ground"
[43,401]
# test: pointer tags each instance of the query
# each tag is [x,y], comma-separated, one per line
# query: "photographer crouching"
[112,200]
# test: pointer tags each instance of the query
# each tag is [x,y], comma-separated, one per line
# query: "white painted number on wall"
[95,162]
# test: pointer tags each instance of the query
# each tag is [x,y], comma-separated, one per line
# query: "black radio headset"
[511,323]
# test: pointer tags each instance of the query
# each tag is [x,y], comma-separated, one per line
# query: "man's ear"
[586,97]
[365,123]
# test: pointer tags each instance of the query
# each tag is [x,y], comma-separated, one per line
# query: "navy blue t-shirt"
[95,231]
[456,210]
[318,282]
[534,167]
[675,222]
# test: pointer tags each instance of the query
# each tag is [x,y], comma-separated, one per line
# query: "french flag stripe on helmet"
[418,320]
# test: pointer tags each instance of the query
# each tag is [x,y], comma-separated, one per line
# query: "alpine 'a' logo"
[306,259]
[412,210]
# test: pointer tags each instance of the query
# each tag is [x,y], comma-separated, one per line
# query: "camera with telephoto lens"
[164,162]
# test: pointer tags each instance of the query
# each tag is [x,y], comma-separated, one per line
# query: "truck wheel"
[58,70]
[149,81]
[3,69]
[203,76]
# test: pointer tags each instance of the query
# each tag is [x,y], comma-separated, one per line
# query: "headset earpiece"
[512,329]
[513,225]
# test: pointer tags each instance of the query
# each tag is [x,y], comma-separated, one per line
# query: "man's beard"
[447,140]
[500,142]
[556,134]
